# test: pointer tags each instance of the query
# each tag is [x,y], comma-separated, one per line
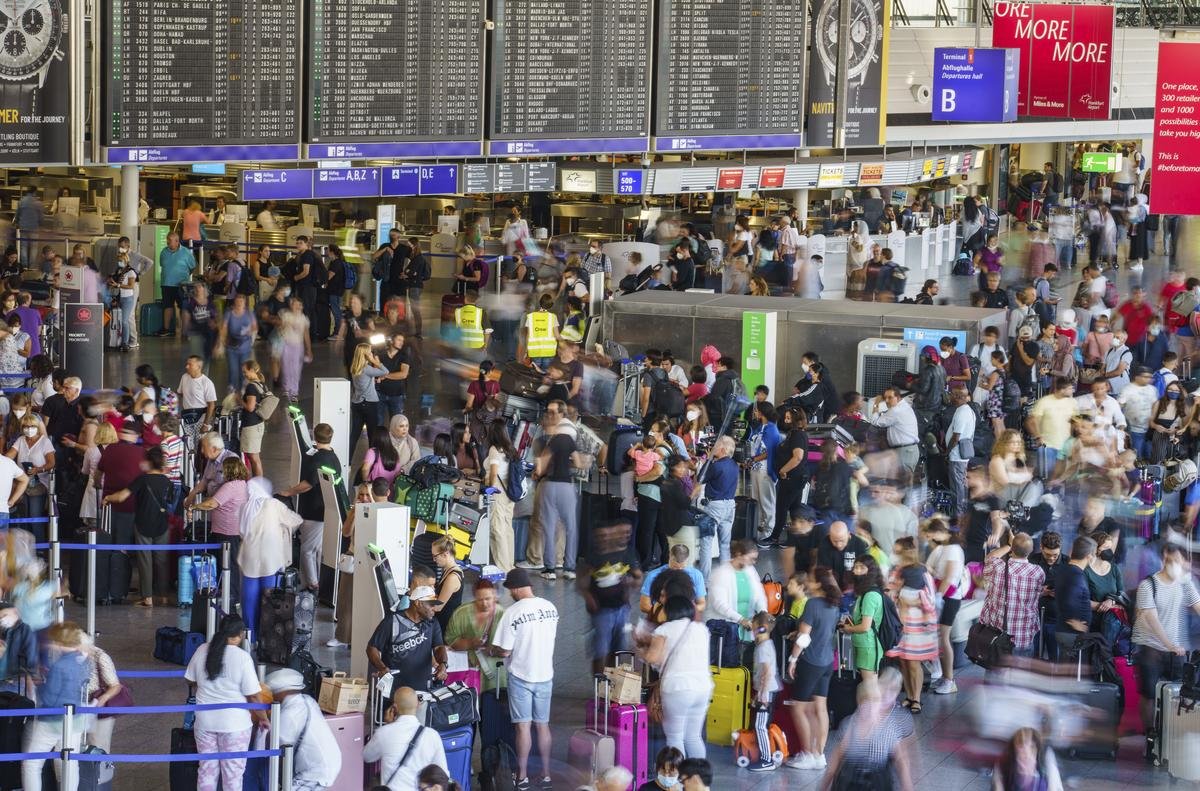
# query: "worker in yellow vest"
[469,320]
[541,333]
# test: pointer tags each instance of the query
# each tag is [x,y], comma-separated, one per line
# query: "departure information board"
[202,81]
[395,78]
[730,74]
[571,76]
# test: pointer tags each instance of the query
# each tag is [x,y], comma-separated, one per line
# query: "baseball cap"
[422,593]
[1025,333]
[285,680]
[1141,369]
[131,426]
[517,578]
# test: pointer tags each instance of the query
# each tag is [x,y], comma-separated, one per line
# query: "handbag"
[654,707]
[123,698]
[987,645]
[267,405]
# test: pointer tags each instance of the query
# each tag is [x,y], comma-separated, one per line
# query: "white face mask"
[945,354]
[30,432]
[667,781]
[692,414]
[19,413]
[804,367]
[148,417]
[1155,329]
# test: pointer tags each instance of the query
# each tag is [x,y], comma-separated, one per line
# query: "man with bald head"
[838,551]
[404,746]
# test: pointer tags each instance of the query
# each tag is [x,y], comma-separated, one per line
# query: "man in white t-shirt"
[525,635]
[404,747]
[197,395]
[13,481]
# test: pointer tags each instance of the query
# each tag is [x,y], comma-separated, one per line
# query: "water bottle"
[187,586]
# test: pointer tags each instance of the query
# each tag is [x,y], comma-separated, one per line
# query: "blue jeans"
[520,536]
[1047,460]
[716,521]
[609,624]
[394,405]
[128,305]
[236,357]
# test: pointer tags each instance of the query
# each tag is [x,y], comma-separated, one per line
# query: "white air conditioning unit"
[878,360]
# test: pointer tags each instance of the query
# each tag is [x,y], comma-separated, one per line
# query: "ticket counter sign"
[1176,166]
[870,174]
[831,176]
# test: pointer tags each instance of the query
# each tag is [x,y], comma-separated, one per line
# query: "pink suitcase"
[1131,718]
[348,733]
[472,678]
[629,726]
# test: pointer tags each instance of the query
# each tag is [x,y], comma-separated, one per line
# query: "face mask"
[1107,555]
[123,250]
[9,621]
[287,292]
[804,367]
[945,354]
[30,432]
[1155,330]
[692,414]
[1173,395]
[19,413]
[147,417]
[1101,329]
[667,781]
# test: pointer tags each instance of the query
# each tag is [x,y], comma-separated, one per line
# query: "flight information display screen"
[730,75]
[571,76]
[212,80]
[395,78]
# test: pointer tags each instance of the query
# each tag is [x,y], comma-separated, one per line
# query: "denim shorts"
[529,701]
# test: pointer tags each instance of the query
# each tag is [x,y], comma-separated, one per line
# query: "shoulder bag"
[987,645]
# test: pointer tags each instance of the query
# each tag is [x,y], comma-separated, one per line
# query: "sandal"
[915,707]
[145,603]
[907,703]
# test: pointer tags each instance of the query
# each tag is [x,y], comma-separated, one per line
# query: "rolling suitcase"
[1178,731]
[495,721]
[519,380]
[116,319]
[1131,719]
[1098,705]
[12,737]
[450,303]
[276,626]
[348,733]
[303,615]
[843,685]
[151,322]
[745,517]
[183,773]
[458,745]
[629,725]
[729,709]
[96,775]
[782,718]
[589,750]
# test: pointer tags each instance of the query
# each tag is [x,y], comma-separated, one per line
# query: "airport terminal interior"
[640,395]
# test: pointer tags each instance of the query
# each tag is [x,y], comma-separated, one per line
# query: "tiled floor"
[127,633]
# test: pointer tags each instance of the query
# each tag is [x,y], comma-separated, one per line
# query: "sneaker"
[944,686]
[1136,267]
[547,784]
[549,575]
[525,564]
[935,672]
[523,784]
[819,761]
[568,574]
[800,761]
[334,643]
[762,766]
[764,543]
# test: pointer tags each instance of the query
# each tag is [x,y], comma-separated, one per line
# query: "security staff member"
[469,320]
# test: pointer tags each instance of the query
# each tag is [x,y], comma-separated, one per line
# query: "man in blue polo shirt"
[720,479]
[678,559]
[175,263]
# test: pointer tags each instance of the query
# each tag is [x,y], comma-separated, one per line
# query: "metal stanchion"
[273,763]
[210,612]
[91,584]
[287,768]
[56,576]
[226,578]
[69,767]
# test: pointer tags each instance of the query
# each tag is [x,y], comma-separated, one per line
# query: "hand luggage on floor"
[843,685]
[497,765]
[303,616]
[183,773]
[458,744]
[96,775]
[276,626]
[12,737]
[1178,732]
[782,717]
[151,321]
[1131,718]
[175,645]
[520,380]
[1094,711]
[312,670]
[745,518]
[348,733]
[592,751]
[745,746]
[729,710]
[629,726]
[116,321]
[495,720]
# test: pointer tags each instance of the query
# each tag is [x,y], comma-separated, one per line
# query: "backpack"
[1111,297]
[246,284]
[380,267]
[349,275]
[1011,399]
[667,399]
[992,223]
[888,630]
[973,365]
[1160,383]
[497,762]
[892,278]
[1184,302]
[1032,321]
[516,486]
[629,283]
[703,255]
[963,265]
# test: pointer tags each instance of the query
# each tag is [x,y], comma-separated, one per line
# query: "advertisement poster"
[35,85]
[975,85]
[1176,163]
[866,111]
[758,349]
[1066,57]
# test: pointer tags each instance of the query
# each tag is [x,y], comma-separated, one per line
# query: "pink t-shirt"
[695,392]
[191,224]
[226,517]
[644,460]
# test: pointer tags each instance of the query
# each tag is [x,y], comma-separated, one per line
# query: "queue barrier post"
[91,583]
[286,768]
[273,763]
[226,577]
[210,623]
[69,769]
[56,576]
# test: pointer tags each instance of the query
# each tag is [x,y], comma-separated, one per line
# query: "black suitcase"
[12,737]
[276,626]
[495,723]
[183,773]
[596,508]
[843,685]
[745,518]
[520,380]
[1099,704]
[304,664]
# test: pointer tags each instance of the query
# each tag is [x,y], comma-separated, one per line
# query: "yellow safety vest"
[469,320]
[542,342]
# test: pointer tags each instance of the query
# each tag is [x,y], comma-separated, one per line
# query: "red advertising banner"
[729,178]
[771,178]
[1066,56]
[1176,165]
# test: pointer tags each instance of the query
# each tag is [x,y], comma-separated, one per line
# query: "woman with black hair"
[865,616]
[151,390]
[790,468]
[830,492]
[679,649]
[220,672]
[466,454]
[500,455]
[381,460]
[434,778]
[810,666]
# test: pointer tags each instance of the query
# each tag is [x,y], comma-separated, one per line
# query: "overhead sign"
[579,181]
[866,96]
[933,337]
[631,182]
[1101,162]
[284,184]
[975,85]
[346,183]
[870,175]
[1065,68]
[1176,165]
[831,176]
[771,178]
[401,181]
[438,179]
[730,178]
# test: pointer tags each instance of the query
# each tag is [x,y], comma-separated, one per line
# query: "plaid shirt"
[1022,588]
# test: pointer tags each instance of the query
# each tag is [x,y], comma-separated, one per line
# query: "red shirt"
[956,364]
[120,463]
[1137,319]
[1173,319]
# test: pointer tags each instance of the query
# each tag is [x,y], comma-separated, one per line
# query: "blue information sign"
[346,183]
[630,182]
[975,85]
[438,179]
[286,184]
[932,337]
[402,181]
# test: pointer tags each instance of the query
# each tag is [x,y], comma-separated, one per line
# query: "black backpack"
[702,255]
[888,630]
[497,762]
[667,399]
[246,283]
